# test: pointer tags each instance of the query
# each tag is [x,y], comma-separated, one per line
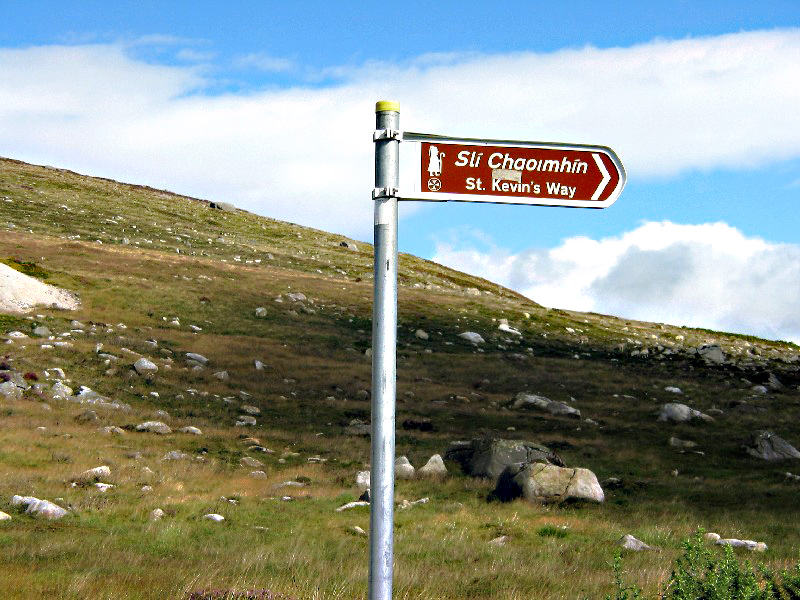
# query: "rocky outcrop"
[488,457]
[541,483]
[769,446]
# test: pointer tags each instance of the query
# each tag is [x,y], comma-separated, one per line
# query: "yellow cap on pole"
[387,105]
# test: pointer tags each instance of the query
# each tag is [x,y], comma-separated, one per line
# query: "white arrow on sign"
[606,176]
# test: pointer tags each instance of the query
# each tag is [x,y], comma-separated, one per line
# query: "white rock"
[222,375]
[261,311]
[421,335]
[154,427]
[504,326]
[258,474]
[103,487]
[191,430]
[350,505]
[631,543]
[711,537]
[4,516]
[433,468]
[362,480]
[245,420]
[214,517]
[673,390]
[251,410]
[472,337]
[92,475]
[248,461]
[39,508]
[403,469]
[59,390]
[156,514]
[175,455]
[197,357]
[675,412]
[259,365]
[145,367]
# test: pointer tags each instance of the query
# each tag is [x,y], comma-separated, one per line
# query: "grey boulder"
[675,412]
[542,483]
[769,446]
[488,457]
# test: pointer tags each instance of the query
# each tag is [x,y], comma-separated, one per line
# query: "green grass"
[308,393]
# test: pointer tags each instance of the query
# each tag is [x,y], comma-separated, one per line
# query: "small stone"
[248,461]
[112,430]
[93,475]
[350,505]
[175,455]
[4,516]
[711,537]
[222,375]
[197,358]
[156,514]
[245,420]
[214,517]
[251,410]
[362,480]
[358,531]
[261,311]
[154,427]
[147,488]
[421,335]
[631,543]
[258,474]
[472,337]
[191,430]
[499,541]
[87,416]
[103,487]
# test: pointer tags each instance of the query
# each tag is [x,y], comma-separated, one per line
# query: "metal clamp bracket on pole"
[387,192]
[387,134]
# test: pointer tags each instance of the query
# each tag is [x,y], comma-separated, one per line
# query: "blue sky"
[270,106]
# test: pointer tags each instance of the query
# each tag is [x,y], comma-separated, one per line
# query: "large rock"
[43,509]
[711,354]
[145,367]
[523,400]
[769,446]
[403,469]
[93,475]
[10,392]
[675,412]
[488,457]
[434,468]
[540,482]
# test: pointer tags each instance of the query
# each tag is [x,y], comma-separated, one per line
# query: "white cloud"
[305,153]
[266,62]
[708,275]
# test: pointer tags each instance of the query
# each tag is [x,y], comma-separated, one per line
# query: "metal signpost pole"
[384,344]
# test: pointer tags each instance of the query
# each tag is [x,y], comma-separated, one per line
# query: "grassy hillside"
[161,275]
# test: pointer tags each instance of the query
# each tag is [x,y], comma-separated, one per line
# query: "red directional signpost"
[461,170]
[535,173]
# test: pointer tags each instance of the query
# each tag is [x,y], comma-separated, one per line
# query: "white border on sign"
[416,193]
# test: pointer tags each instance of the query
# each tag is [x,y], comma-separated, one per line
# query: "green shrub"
[700,575]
